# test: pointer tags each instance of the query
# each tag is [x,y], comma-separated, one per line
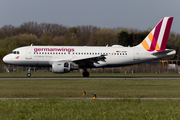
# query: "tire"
[85,74]
[28,74]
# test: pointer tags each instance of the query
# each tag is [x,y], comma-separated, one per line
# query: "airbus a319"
[64,59]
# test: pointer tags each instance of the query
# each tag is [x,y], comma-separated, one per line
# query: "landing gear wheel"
[85,74]
[28,74]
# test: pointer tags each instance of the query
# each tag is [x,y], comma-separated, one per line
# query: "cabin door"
[28,53]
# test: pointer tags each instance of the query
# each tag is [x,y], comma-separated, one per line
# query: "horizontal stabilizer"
[164,52]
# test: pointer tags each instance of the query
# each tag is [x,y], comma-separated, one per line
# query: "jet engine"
[63,67]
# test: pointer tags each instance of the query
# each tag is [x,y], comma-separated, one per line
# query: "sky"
[136,14]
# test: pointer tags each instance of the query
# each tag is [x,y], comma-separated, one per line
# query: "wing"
[88,62]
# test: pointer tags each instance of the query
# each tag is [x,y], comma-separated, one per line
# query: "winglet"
[158,37]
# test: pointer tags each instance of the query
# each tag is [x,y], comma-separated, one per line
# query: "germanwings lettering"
[54,49]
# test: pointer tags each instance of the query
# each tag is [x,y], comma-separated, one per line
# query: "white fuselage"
[115,56]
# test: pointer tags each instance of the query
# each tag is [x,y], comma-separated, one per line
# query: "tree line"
[29,33]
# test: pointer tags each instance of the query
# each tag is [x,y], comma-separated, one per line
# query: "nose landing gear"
[29,72]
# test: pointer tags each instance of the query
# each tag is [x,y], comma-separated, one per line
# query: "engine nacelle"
[61,67]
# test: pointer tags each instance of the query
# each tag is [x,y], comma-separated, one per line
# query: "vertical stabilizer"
[158,37]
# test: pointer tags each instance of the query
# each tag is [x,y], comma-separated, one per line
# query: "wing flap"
[93,59]
[88,61]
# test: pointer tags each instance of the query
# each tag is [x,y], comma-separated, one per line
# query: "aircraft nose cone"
[5,59]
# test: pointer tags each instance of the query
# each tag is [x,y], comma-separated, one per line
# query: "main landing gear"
[29,72]
[85,73]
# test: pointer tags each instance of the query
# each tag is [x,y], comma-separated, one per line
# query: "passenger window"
[17,52]
[114,53]
[64,53]
[117,53]
[42,52]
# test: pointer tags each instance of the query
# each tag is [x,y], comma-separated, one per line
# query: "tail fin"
[158,37]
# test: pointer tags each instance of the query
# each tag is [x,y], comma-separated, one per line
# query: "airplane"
[64,59]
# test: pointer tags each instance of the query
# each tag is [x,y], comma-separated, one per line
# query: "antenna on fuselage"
[31,44]
[107,45]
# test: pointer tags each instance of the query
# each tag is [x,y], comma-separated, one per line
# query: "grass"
[83,109]
[54,106]
[91,75]
[102,88]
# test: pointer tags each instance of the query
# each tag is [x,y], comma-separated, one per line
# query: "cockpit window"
[14,52]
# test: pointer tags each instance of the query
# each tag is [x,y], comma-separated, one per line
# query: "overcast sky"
[140,14]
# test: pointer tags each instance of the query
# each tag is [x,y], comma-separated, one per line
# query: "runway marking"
[92,98]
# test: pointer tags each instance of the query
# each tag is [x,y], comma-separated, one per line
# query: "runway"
[86,78]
